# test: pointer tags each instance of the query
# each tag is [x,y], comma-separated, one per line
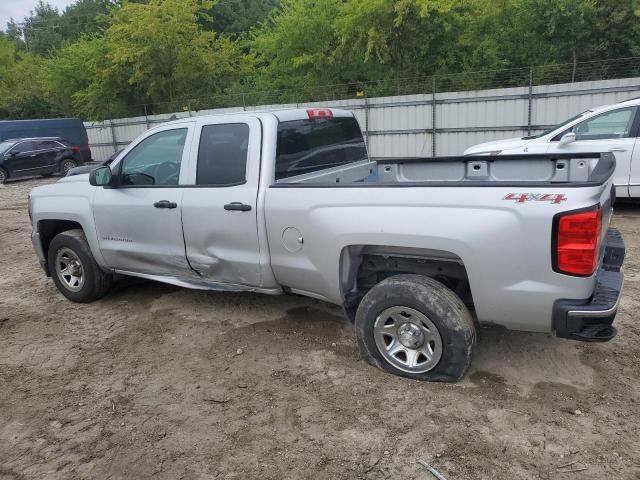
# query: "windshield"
[560,125]
[6,145]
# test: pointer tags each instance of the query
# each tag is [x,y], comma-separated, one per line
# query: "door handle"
[242,207]
[618,149]
[165,204]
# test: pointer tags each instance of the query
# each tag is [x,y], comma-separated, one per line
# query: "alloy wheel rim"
[67,165]
[408,339]
[69,269]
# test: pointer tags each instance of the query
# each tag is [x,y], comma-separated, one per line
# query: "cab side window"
[26,146]
[156,160]
[47,145]
[222,154]
[608,125]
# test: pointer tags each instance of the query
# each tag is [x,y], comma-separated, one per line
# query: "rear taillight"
[75,149]
[319,113]
[577,242]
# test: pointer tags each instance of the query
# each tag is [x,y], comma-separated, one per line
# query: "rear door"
[219,209]
[610,131]
[138,223]
[46,153]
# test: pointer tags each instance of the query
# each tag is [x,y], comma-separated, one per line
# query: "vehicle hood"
[82,169]
[76,186]
[505,144]
[82,177]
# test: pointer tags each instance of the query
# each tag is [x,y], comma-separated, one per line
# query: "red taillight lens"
[577,242]
[76,149]
[319,113]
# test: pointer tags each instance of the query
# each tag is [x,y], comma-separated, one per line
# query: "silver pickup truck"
[416,251]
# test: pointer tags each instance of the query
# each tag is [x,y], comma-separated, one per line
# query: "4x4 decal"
[536,197]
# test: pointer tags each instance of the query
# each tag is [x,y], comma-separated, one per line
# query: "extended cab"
[415,250]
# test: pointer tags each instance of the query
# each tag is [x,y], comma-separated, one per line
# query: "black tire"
[96,282]
[67,164]
[3,176]
[432,299]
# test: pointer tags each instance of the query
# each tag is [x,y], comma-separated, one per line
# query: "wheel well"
[365,266]
[48,229]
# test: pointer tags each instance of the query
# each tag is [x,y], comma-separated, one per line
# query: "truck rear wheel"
[415,327]
[74,270]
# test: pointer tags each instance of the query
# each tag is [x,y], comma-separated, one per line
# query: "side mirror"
[101,177]
[12,154]
[567,138]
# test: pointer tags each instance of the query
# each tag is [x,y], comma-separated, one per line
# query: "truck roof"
[282,114]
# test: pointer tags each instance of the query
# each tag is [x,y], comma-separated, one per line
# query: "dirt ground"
[148,382]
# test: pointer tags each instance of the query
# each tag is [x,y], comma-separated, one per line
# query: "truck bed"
[578,169]
[504,233]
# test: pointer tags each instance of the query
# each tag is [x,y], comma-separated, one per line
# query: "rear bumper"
[591,320]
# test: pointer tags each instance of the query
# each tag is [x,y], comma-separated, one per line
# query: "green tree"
[80,81]
[165,55]
[298,50]
[154,54]
[236,17]
[22,86]
[409,37]
[86,17]
[42,30]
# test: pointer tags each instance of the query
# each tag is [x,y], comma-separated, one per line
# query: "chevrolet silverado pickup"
[416,251]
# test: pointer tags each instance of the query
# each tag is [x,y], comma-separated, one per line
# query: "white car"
[612,128]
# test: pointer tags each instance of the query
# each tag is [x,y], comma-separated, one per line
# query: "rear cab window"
[310,145]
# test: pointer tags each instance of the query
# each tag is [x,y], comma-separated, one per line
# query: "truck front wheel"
[415,327]
[74,270]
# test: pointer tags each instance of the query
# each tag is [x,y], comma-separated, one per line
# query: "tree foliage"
[108,58]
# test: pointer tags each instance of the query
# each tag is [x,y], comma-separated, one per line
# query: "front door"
[634,176]
[139,225]
[219,212]
[22,159]
[611,131]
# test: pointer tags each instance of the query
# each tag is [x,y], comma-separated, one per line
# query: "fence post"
[433,117]
[366,115]
[146,116]
[114,141]
[530,101]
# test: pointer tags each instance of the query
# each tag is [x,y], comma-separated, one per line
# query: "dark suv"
[21,157]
